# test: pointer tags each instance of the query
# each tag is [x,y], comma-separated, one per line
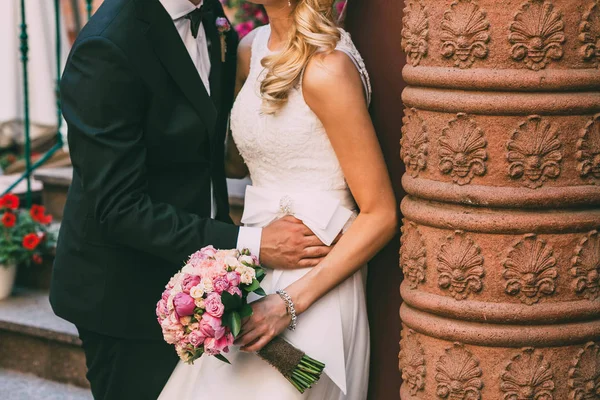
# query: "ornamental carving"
[586,266]
[415,31]
[584,374]
[530,270]
[465,33]
[458,375]
[412,255]
[462,150]
[589,33]
[537,34]
[414,144]
[460,265]
[528,376]
[412,362]
[534,152]
[588,149]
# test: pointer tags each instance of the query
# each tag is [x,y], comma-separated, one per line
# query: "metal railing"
[24,49]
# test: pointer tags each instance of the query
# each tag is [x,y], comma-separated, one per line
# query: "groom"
[146,94]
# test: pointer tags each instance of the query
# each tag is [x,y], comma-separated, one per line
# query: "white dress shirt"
[197,48]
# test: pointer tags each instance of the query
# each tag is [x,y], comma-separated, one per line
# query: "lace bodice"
[289,150]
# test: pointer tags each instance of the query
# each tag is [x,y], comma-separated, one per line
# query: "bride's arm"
[234,163]
[334,91]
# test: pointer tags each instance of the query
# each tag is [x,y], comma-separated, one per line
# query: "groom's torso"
[183,135]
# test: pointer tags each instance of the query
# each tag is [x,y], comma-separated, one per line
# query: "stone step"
[35,341]
[20,386]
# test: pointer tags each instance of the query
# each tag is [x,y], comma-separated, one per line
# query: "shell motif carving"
[465,33]
[458,375]
[584,374]
[528,376]
[588,149]
[460,265]
[412,362]
[412,255]
[462,150]
[414,144]
[586,266]
[537,34]
[530,270]
[415,31]
[589,33]
[534,152]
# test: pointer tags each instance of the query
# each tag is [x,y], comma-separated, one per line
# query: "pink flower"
[215,346]
[233,278]
[184,304]
[235,290]
[244,28]
[196,338]
[166,294]
[211,326]
[189,281]
[220,284]
[223,25]
[161,309]
[214,306]
[339,7]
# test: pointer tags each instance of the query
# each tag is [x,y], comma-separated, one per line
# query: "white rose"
[188,269]
[197,291]
[231,262]
[207,284]
[199,303]
[248,276]
[246,259]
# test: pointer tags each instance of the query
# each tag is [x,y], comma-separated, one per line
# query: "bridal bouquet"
[202,308]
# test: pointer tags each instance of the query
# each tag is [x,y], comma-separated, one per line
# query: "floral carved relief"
[458,375]
[465,33]
[460,265]
[412,361]
[530,270]
[412,255]
[528,376]
[537,34]
[462,150]
[589,33]
[534,152]
[584,374]
[414,144]
[588,149]
[586,266]
[415,31]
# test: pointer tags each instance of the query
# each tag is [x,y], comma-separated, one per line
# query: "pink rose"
[233,278]
[244,28]
[184,304]
[235,290]
[215,346]
[220,284]
[196,338]
[214,306]
[161,308]
[166,294]
[211,326]
[189,282]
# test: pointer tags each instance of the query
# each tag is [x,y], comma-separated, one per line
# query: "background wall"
[375,26]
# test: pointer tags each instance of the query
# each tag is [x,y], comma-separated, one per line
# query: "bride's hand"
[268,320]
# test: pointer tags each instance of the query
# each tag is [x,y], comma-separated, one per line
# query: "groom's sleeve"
[104,104]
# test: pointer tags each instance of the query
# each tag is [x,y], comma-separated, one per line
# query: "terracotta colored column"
[500,248]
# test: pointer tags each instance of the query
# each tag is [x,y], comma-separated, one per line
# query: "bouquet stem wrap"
[298,368]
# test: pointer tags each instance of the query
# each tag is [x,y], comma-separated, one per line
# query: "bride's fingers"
[316,252]
[258,345]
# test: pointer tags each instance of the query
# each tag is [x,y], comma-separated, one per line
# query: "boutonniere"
[223,27]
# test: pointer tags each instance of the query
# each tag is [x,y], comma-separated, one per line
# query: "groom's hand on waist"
[288,244]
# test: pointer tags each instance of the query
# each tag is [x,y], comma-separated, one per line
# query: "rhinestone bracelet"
[291,310]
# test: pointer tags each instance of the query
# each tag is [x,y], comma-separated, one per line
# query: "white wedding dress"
[294,171]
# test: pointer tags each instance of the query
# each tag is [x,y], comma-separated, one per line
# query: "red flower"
[37,259]
[9,219]
[38,214]
[9,201]
[31,241]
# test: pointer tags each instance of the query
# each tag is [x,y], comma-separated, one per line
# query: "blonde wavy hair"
[313,31]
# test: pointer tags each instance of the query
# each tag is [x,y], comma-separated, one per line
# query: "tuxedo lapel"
[171,51]
[216,64]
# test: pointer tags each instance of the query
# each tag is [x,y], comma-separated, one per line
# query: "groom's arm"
[104,104]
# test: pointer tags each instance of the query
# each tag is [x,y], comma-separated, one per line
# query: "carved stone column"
[500,245]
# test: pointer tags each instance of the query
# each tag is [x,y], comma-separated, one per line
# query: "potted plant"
[24,239]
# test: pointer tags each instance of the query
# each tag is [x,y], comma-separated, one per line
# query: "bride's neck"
[281,23]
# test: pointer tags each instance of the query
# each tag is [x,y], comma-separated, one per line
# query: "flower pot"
[7,279]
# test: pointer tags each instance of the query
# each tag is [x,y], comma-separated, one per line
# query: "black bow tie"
[195,18]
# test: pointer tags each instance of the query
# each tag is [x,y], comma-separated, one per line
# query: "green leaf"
[253,286]
[260,292]
[222,358]
[246,311]
[231,301]
[233,321]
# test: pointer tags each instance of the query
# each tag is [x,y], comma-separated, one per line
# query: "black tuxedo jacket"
[145,139]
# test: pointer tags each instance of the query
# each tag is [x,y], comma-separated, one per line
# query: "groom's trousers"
[127,369]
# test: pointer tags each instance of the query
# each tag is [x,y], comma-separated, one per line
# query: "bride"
[301,129]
